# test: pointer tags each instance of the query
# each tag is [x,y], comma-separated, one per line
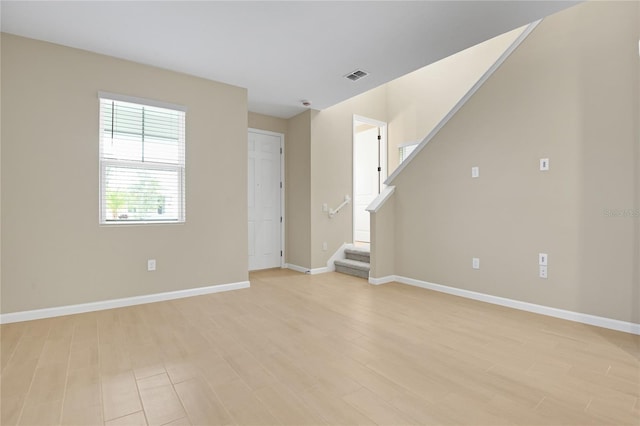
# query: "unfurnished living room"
[319,213]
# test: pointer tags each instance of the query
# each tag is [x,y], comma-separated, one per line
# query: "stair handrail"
[382,198]
[333,212]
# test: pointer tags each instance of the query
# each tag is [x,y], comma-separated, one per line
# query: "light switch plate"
[475,172]
[544,164]
[542,259]
[475,263]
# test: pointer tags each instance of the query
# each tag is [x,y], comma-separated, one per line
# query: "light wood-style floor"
[326,349]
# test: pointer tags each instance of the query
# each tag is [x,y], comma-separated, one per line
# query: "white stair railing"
[333,212]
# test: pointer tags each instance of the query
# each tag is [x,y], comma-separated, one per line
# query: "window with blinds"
[142,161]
[406,149]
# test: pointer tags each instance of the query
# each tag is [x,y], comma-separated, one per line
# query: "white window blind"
[142,162]
[406,150]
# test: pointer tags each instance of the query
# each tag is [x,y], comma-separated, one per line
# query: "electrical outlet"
[151,265]
[542,259]
[544,164]
[475,263]
[543,271]
[324,246]
[475,172]
[325,207]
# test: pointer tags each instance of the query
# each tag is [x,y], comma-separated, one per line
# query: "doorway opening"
[369,172]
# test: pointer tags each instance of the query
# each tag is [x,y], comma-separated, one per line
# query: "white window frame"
[147,165]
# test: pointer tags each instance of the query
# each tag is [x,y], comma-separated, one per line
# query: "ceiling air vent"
[356,75]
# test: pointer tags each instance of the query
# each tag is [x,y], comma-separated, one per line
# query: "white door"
[264,200]
[366,179]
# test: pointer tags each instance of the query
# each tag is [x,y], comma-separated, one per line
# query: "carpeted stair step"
[353,267]
[358,254]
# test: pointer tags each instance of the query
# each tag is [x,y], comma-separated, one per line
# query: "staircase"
[357,263]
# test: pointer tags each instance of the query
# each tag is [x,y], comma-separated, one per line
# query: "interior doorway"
[369,171]
[265,199]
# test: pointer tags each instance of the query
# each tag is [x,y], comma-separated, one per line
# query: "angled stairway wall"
[427,94]
[568,93]
[418,101]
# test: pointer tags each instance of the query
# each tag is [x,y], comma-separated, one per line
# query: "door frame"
[282,191]
[383,162]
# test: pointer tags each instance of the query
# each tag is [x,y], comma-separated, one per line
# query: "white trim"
[118,303]
[613,324]
[144,101]
[339,254]
[282,191]
[379,201]
[307,270]
[464,100]
[297,268]
[367,120]
[264,132]
[383,280]
[384,154]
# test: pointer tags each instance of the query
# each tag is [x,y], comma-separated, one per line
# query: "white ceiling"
[282,52]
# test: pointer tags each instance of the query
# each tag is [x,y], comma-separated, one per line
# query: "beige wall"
[267,122]
[53,250]
[0,173]
[298,189]
[636,289]
[418,101]
[569,93]
[383,244]
[332,169]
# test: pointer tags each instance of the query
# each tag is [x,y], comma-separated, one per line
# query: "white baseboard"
[613,324]
[305,270]
[297,268]
[383,280]
[339,254]
[117,303]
